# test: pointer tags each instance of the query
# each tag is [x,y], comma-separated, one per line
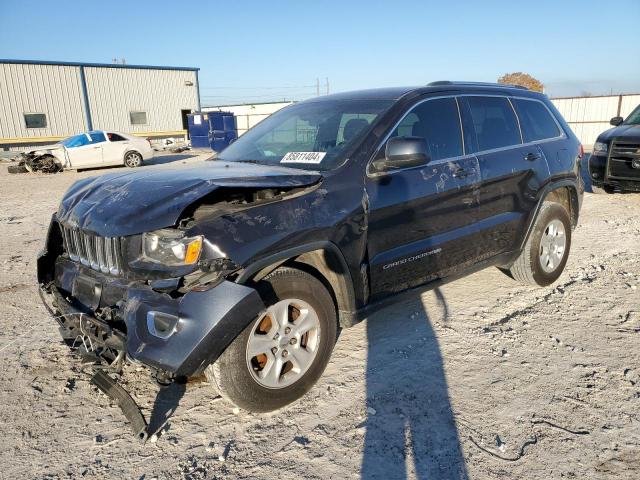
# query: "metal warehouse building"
[43,102]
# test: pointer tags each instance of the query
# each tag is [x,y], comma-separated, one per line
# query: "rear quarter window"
[493,122]
[535,120]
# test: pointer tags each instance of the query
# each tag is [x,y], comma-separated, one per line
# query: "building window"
[35,120]
[138,118]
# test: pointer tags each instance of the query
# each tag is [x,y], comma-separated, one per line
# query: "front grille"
[621,160]
[99,253]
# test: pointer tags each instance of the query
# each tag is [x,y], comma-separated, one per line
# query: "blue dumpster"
[222,130]
[199,129]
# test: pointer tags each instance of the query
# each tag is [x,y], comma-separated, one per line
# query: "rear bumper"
[177,336]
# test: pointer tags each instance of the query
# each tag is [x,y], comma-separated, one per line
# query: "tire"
[132,159]
[539,262]
[603,189]
[237,375]
[17,169]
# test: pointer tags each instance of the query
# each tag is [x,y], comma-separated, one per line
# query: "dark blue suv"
[244,267]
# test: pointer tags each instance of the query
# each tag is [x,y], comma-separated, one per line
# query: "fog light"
[595,174]
[635,163]
[160,324]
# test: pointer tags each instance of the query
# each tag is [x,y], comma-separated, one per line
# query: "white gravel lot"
[481,379]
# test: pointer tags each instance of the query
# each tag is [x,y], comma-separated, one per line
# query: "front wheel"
[284,351]
[545,254]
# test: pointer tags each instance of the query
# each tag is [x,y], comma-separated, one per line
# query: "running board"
[127,404]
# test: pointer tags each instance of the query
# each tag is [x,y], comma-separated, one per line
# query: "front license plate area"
[87,291]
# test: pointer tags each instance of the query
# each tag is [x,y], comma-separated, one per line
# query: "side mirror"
[615,121]
[404,152]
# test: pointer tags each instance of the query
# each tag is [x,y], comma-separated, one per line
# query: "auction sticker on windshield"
[303,157]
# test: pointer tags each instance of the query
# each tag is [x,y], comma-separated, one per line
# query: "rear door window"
[438,122]
[493,121]
[114,137]
[535,120]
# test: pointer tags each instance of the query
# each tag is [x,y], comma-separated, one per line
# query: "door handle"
[462,173]
[96,148]
[531,156]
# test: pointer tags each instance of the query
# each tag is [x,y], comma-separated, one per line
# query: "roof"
[441,86]
[100,65]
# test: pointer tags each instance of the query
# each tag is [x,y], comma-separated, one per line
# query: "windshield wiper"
[247,161]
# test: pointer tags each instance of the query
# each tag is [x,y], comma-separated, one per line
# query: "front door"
[421,219]
[87,150]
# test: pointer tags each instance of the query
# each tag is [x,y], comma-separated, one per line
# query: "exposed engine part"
[30,162]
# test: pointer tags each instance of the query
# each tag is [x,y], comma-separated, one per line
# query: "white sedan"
[97,148]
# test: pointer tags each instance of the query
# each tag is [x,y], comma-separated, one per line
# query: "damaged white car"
[87,150]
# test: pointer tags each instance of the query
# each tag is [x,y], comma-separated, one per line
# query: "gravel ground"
[482,378]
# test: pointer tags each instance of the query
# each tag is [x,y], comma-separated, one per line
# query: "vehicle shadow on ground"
[165,405]
[410,427]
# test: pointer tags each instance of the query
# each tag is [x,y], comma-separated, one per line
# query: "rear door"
[421,219]
[512,172]
[114,149]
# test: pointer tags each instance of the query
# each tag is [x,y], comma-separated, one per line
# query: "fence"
[588,117]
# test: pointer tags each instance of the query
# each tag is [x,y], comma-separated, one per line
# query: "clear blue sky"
[267,50]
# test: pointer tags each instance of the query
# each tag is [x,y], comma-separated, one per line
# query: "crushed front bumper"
[177,336]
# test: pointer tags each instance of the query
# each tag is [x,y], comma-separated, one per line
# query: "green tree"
[522,79]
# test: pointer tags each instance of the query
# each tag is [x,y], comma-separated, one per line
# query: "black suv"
[615,161]
[244,268]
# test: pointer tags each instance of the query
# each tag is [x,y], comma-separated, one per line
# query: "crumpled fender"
[208,322]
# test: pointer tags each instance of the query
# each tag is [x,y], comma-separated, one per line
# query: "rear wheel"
[545,254]
[284,351]
[132,159]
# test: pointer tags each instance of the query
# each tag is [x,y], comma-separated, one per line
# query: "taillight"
[580,151]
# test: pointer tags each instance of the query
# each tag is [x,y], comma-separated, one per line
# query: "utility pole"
[327,81]
[317,87]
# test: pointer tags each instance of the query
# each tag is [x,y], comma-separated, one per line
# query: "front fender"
[206,323]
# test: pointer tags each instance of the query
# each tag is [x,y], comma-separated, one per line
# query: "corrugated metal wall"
[588,117]
[50,89]
[162,94]
[247,116]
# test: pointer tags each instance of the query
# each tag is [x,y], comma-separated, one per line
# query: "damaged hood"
[147,199]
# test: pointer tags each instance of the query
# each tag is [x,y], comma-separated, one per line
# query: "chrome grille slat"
[99,253]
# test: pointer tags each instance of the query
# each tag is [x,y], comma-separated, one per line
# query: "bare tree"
[522,79]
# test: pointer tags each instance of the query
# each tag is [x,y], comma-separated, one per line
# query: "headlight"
[171,247]
[600,148]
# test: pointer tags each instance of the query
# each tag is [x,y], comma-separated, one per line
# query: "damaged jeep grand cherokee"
[245,267]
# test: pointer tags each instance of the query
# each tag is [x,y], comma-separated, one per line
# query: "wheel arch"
[564,192]
[325,261]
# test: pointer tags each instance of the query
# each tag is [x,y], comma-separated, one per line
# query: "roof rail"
[478,84]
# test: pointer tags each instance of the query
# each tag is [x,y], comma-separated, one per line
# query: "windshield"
[313,136]
[75,141]
[634,117]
